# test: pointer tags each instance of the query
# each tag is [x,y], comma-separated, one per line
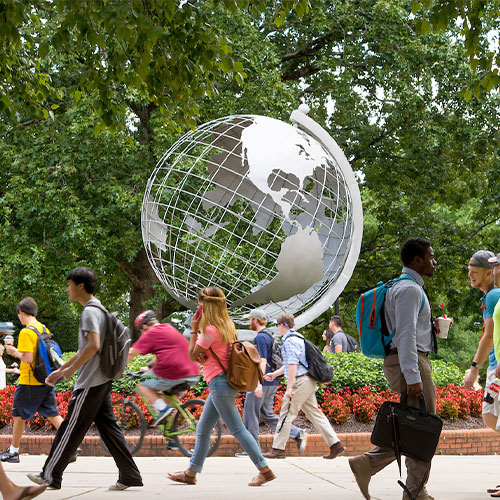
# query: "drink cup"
[443,327]
[8,340]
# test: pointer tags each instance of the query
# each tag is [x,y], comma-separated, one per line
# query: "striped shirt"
[294,353]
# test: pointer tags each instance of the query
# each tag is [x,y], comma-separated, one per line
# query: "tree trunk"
[143,280]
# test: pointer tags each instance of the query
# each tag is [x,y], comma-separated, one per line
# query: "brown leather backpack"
[244,372]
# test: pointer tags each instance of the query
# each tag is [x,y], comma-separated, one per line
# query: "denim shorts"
[164,384]
[29,399]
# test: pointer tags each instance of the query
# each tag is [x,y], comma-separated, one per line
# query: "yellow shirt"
[27,343]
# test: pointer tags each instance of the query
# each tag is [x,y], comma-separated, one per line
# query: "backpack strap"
[38,332]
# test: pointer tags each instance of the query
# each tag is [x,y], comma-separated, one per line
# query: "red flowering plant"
[335,408]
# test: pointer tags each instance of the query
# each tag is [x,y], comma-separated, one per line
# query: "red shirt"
[171,351]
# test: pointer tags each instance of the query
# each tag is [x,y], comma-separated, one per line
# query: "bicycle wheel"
[185,428]
[130,417]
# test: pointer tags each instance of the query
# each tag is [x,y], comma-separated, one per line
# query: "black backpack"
[47,356]
[318,368]
[115,344]
[352,345]
[276,360]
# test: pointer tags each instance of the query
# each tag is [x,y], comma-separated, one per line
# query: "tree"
[164,52]
[479,20]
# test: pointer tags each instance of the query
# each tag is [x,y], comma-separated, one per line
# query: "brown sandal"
[182,477]
[262,477]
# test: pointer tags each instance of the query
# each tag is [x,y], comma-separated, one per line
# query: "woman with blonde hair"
[214,332]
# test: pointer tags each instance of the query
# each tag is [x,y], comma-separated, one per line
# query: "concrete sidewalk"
[452,477]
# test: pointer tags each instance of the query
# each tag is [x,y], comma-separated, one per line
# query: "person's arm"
[292,372]
[79,359]
[276,373]
[132,353]
[407,304]
[258,390]
[483,349]
[338,347]
[25,357]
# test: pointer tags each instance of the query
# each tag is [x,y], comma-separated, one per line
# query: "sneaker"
[301,441]
[163,415]
[172,445]
[75,456]
[7,456]
[39,479]
[118,486]
[241,454]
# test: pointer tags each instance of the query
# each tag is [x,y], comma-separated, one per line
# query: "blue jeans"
[220,403]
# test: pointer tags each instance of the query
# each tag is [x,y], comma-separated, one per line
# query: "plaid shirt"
[294,353]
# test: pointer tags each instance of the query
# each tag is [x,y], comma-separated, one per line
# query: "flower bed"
[363,403]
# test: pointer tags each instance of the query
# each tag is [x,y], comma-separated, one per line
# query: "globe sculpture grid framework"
[268,211]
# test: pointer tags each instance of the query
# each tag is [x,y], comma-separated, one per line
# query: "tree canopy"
[426,159]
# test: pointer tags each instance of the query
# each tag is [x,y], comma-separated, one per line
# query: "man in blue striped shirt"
[300,392]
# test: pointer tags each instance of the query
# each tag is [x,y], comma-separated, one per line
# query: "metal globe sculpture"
[268,211]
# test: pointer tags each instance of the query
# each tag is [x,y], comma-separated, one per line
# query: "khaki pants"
[303,398]
[381,457]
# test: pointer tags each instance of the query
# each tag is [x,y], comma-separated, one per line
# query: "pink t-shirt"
[211,339]
[171,351]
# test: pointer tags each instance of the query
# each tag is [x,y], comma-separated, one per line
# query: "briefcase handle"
[423,406]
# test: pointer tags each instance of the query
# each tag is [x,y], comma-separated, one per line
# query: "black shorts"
[29,399]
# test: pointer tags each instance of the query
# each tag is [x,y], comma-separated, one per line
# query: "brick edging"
[452,442]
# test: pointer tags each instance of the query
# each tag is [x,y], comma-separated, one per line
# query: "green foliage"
[355,370]
[165,52]
[478,20]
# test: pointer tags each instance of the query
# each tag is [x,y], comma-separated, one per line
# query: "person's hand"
[288,393]
[269,377]
[415,389]
[471,377]
[202,357]
[54,377]
[12,351]
[258,391]
[14,365]
[16,371]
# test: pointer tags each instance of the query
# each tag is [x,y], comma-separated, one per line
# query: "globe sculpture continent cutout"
[268,211]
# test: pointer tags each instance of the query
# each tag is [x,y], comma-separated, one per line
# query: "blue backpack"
[48,355]
[374,336]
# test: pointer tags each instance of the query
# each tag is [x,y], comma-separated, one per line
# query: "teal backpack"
[374,336]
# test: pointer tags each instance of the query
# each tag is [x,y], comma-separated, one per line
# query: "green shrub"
[355,370]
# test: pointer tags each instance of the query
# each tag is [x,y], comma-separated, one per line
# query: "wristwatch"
[473,364]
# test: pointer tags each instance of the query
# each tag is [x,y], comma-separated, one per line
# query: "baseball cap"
[482,259]
[258,314]
[144,317]
[495,260]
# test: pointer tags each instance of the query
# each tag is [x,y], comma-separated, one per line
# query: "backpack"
[47,356]
[317,366]
[276,360]
[115,344]
[352,345]
[243,371]
[374,335]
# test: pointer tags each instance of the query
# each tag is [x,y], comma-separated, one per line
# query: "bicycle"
[179,428]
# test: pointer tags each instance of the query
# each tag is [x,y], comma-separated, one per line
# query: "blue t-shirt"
[265,347]
[489,301]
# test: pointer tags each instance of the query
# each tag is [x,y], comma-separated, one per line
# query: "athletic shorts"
[493,406]
[29,399]
[164,384]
